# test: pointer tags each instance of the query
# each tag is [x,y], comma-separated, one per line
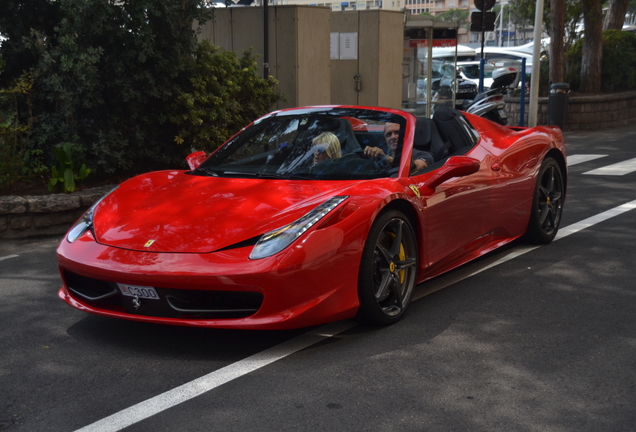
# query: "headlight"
[277,240]
[86,222]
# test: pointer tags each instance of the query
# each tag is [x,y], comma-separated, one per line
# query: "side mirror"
[455,166]
[195,159]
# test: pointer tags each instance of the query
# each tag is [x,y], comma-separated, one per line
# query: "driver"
[326,146]
[421,158]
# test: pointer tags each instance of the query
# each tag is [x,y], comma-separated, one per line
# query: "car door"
[459,212]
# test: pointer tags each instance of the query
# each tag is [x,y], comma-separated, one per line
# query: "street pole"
[508,28]
[483,31]
[536,66]
[265,40]
[500,24]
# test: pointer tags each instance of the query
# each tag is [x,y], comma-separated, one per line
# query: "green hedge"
[618,68]
[126,84]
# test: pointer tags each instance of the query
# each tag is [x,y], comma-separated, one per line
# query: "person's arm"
[375,152]
[422,159]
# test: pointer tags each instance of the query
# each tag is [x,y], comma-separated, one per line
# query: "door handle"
[358,82]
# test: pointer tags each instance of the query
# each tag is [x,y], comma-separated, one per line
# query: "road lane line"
[617,169]
[8,257]
[197,387]
[586,223]
[185,392]
[487,263]
[577,159]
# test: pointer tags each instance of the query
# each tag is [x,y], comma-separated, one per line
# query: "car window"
[500,56]
[322,144]
[472,71]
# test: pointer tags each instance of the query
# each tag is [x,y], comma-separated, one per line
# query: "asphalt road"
[545,341]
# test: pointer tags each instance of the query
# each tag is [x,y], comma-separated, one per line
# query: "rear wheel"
[388,271]
[547,204]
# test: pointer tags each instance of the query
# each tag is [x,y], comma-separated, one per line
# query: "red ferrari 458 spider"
[311,215]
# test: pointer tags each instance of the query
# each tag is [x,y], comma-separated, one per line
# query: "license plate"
[138,291]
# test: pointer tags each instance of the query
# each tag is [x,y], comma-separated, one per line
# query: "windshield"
[472,71]
[320,144]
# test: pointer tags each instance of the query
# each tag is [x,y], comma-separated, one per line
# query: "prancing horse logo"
[149,243]
[136,302]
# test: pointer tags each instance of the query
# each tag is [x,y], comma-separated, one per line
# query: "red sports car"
[311,215]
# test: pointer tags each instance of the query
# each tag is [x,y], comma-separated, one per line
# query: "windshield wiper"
[204,170]
[284,176]
[261,175]
[271,175]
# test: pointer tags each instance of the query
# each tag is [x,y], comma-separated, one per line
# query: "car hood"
[170,211]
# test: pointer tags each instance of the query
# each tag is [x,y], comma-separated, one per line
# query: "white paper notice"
[335,46]
[348,46]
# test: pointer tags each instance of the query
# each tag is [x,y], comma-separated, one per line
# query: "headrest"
[443,113]
[423,132]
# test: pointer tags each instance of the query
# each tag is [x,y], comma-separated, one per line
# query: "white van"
[464,53]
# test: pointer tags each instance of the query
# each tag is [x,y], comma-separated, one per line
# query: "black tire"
[547,203]
[388,270]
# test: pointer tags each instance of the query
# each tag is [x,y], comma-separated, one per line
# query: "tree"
[20,20]
[225,94]
[117,81]
[592,46]
[454,15]
[108,75]
[593,41]
[615,16]
[557,33]
[523,11]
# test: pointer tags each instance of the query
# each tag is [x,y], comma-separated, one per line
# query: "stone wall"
[27,216]
[583,112]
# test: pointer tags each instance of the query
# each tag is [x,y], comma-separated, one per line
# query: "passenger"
[326,146]
[421,158]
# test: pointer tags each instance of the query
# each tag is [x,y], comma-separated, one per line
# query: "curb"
[42,215]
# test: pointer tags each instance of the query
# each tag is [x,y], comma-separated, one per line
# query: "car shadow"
[176,341]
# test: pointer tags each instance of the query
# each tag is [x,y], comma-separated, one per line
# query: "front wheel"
[388,271]
[547,204]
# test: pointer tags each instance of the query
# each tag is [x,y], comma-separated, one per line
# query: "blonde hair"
[333,144]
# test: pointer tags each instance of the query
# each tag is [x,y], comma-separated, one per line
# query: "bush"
[64,173]
[18,161]
[573,59]
[126,83]
[107,78]
[226,93]
[618,67]
[619,61]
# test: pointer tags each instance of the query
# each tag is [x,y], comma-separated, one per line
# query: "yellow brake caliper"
[402,256]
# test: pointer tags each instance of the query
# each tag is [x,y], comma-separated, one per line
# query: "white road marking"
[192,389]
[162,402]
[8,257]
[617,169]
[464,273]
[580,158]
[601,217]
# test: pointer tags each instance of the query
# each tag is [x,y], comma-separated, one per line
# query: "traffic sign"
[484,5]
[488,21]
